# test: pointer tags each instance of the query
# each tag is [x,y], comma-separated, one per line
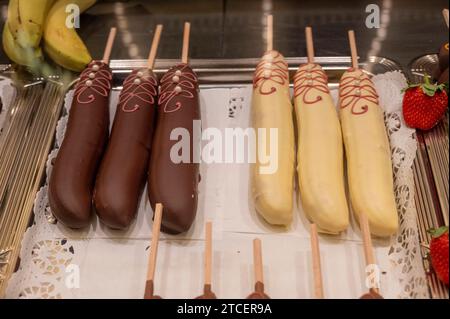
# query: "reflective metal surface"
[236,28]
[422,65]
[232,72]
[24,146]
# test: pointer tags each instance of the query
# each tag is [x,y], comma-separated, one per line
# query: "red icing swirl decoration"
[179,81]
[270,72]
[356,90]
[140,84]
[310,79]
[95,79]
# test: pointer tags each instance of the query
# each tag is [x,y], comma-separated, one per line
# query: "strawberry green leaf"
[427,87]
[438,232]
[428,90]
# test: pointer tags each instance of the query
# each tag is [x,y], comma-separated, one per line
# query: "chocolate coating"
[123,171]
[436,73]
[149,291]
[443,79]
[259,292]
[175,185]
[73,175]
[443,57]
[371,295]
[442,65]
[207,293]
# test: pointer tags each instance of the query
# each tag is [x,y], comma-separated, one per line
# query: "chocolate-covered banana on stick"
[443,79]
[367,148]
[320,152]
[272,185]
[149,284]
[173,178]
[258,268]
[440,72]
[207,292]
[75,167]
[443,57]
[123,171]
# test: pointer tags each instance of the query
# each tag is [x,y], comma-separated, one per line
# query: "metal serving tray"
[235,72]
[33,116]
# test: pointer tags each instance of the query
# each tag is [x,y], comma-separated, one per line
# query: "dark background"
[234,28]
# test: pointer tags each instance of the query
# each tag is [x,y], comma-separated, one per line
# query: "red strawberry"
[424,104]
[439,252]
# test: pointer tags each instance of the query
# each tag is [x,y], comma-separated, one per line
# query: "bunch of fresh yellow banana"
[31,23]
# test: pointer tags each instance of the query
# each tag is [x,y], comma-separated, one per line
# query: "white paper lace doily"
[49,250]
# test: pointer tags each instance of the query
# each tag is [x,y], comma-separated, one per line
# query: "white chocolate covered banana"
[368,154]
[272,187]
[320,164]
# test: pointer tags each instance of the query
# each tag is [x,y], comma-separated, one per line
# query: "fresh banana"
[13,19]
[31,57]
[26,19]
[63,44]
[30,20]
[272,189]
[369,165]
[320,154]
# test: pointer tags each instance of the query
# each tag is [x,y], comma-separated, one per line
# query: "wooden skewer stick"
[109,45]
[445,14]
[367,242]
[309,44]
[154,47]
[354,52]
[318,285]
[208,253]
[154,244]
[257,260]
[269,32]
[186,33]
